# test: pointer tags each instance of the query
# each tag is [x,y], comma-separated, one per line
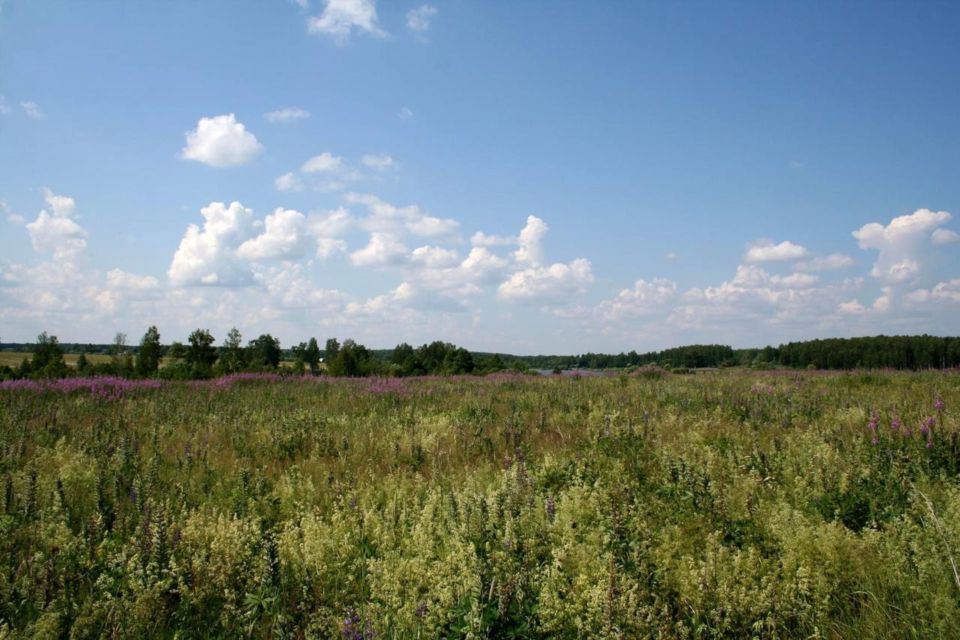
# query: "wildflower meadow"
[727,504]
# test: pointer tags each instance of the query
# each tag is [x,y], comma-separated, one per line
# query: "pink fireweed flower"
[939,404]
[380,385]
[101,388]
[926,425]
[895,424]
[872,425]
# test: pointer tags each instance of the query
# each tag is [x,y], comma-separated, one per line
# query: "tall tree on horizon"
[148,355]
[232,355]
[201,353]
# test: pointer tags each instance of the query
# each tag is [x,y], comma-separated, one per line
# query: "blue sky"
[525,177]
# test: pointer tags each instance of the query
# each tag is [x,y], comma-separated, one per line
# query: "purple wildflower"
[926,425]
[351,627]
[939,404]
[895,424]
[380,386]
[422,609]
[98,387]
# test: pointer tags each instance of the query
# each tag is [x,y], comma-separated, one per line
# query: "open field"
[14,358]
[720,505]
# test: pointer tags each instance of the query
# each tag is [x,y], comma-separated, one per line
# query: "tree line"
[872,352]
[200,357]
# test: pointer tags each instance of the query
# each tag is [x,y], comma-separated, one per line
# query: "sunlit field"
[718,505]
[14,358]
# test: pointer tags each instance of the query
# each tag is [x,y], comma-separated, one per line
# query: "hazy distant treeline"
[888,352]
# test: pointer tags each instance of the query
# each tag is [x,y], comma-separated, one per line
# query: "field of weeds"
[719,505]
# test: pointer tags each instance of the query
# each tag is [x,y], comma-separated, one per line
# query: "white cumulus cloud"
[433,227]
[382,250]
[326,162]
[207,255]
[944,236]
[221,141]
[948,291]
[530,250]
[901,243]
[288,182]
[56,231]
[385,217]
[434,257]
[767,251]
[283,237]
[332,223]
[341,18]
[553,284]
[645,298]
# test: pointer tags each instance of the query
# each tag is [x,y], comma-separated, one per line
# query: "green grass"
[718,505]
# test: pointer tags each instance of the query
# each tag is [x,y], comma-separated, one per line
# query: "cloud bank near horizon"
[267,272]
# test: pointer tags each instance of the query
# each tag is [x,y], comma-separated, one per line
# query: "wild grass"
[718,505]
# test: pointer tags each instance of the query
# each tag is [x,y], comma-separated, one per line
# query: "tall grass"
[725,505]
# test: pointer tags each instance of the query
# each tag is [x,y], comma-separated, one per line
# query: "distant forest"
[875,352]
[201,358]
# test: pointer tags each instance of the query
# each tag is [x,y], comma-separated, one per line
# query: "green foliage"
[306,357]
[264,352]
[898,352]
[149,353]
[350,360]
[201,353]
[83,365]
[728,504]
[311,356]
[331,349]
[232,358]
[436,358]
[47,361]
[177,351]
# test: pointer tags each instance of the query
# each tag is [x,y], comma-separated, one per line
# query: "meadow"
[13,359]
[727,504]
